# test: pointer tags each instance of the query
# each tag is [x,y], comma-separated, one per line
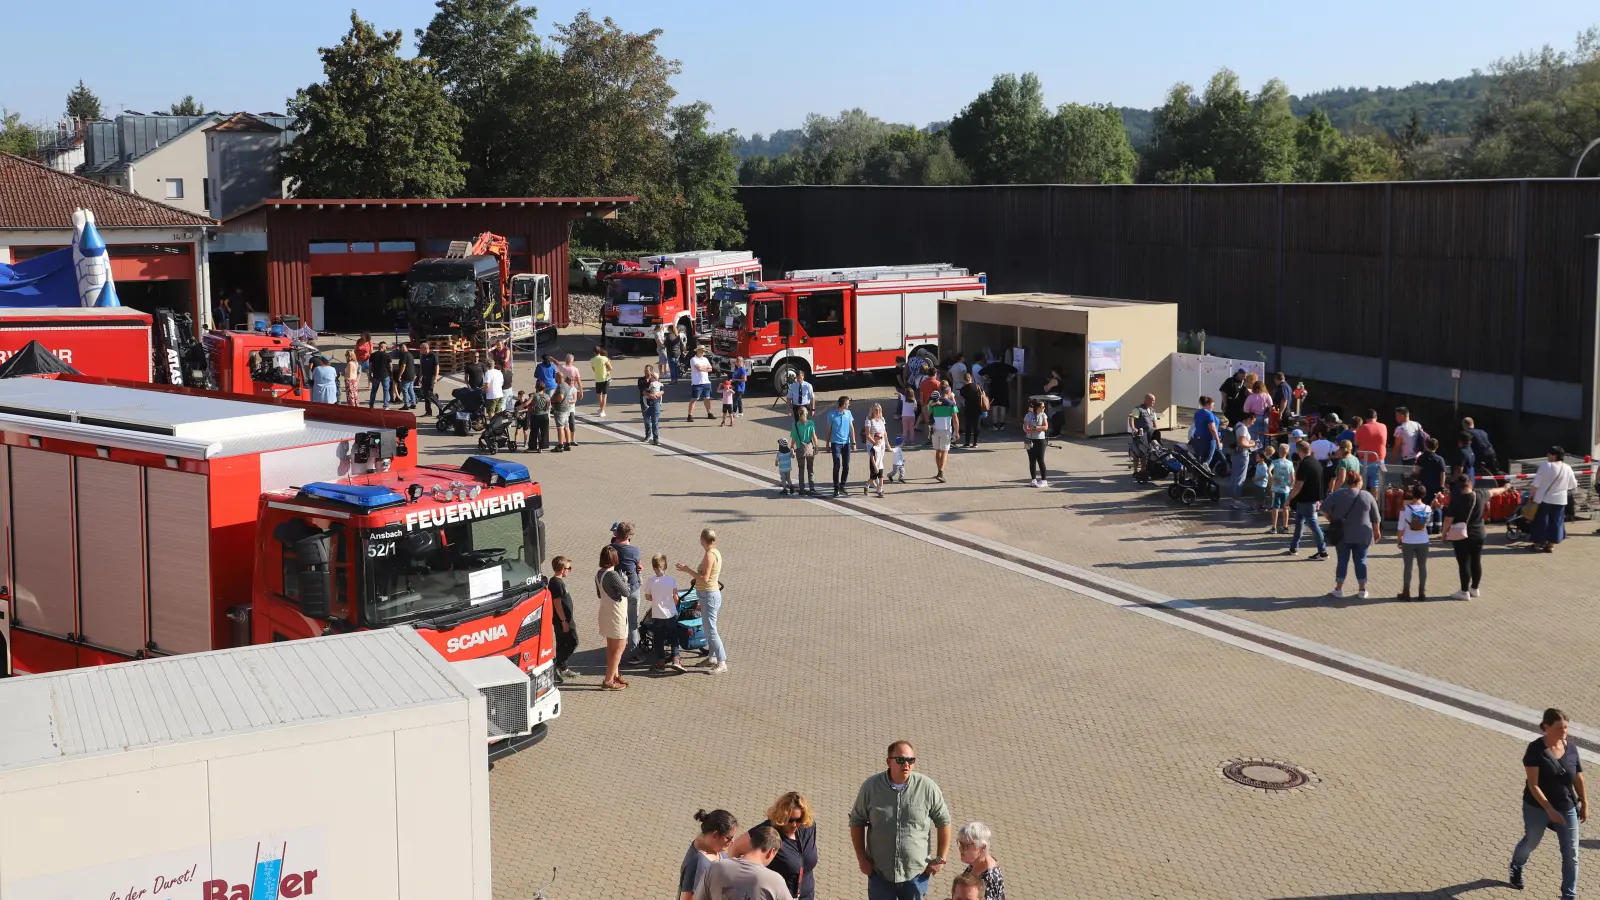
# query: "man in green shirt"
[892,827]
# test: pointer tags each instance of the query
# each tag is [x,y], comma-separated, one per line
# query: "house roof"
[243,121]
[577,204]
[33,195]
[133,136]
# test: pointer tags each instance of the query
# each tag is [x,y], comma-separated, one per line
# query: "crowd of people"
[900,830]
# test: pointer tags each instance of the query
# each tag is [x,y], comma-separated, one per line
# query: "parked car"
[584,272]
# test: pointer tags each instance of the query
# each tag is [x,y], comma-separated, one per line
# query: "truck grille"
[725,346]
[508,709]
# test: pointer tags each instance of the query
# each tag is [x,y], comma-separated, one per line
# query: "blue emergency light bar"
[492,470]
[364,497]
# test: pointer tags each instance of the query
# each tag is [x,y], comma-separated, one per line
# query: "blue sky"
[764,65]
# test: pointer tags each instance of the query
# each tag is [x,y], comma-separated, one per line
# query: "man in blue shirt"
[1207,441]
[1467,462]
[741,376]
[841,440]
[545,372]
[800,395]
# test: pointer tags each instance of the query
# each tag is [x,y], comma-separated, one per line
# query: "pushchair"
[1148,457]
[463,412]
[691,629]
[497,433]
[1191,478]
[1519,526]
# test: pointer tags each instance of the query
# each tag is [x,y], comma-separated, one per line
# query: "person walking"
[538,418]
[801,396]
[906,402]
[378,376]
[1355,521]
[1483,453]
[494,391]
[575,383]
[803,437]
[1372,448]
[841,441]
[875,432]
[1035,425]
[899,828]
[1554,796]
[1244,447]
[944,423]
[1305,495]
[1205,440]
[1411,533]
[1280,481]
[352,378]
[565,627]
[561,414]
[324,382]
[630,562]
[611,588]
[1407,437]
[708,591]
[427,374]
[972,843]
[408,378]
[928,388]
[1552,483]
[601,364]
[700,382]
[796,863]
[651,397]
[1464,531]
[717,831]
[741,380]
[747,875]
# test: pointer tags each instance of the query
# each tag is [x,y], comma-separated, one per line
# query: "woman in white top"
[1035,427]
[876,431]
[1411,534]
[908,412]
[1551,485]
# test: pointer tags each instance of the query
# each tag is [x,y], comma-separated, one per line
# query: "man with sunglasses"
[893,824]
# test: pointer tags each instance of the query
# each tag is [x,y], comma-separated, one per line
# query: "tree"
[1319,146]
[705,212]
[379,126]
[1541,110]
[997,136]
[1224,135]
[15,136]
[833,150]
[900,157]
[187,107]
[476,46]
[1084,145]
[82,104]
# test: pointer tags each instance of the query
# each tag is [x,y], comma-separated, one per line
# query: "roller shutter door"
[111,554]
[42,554]
[178,521]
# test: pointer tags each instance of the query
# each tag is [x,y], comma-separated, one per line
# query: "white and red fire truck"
[109,342]
[675,290]
[835,321]
[145,520]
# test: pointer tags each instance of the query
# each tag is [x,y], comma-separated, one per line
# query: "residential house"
[159,157]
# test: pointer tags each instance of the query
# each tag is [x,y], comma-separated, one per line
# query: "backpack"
[1417,523]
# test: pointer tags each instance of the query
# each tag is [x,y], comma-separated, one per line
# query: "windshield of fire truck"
[633,290]
[463,294]
[732,305]
[430,571]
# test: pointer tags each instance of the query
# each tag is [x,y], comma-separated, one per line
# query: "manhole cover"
[1267,774]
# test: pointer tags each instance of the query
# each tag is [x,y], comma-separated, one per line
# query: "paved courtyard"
[1075,665]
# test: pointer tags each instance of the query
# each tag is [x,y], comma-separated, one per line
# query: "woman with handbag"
[1353,527]
[612,590]
[1464,532]
[1551,485]
[803,437]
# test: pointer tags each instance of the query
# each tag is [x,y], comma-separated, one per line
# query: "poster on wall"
[280,864]
[1016,359]
[1097,386]
[1105,356]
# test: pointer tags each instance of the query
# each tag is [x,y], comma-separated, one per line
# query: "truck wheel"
[785,374]
[926,354]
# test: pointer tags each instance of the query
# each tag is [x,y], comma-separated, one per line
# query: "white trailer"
[344,766]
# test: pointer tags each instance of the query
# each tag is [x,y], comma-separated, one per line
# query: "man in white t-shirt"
[700,381]
[493,392]
[958,371]
[1407,438]
[1322,448]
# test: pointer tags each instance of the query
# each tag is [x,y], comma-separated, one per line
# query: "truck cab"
[453,552]
[675,290]
[467,295]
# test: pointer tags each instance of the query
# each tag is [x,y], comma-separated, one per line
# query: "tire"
[926,354]
[784,374]
[1187,496]
[1172,490]
[447,415]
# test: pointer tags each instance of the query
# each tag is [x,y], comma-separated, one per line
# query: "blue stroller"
[691,629]
[1191,478]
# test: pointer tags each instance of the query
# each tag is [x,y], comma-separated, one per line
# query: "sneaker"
[720,668]
[880,493]
[1362,595]
[706,663]
[1514,877]
[1474,593]
[602,414]
[1292,551]
[1461,595]
[1272,531]
[1319,555]
[1336,593]
[1403,595]
[676,666]
[566,673]
[939,478]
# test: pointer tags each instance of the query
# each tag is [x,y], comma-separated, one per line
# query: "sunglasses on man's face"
[904,760]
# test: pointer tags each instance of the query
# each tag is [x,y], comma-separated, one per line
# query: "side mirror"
[785,328]
[533,539]
[314,577]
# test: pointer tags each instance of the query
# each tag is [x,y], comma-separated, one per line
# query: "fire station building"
[158,252]
[341,264]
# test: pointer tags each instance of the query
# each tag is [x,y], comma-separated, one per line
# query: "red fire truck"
[833,321]
[673,290]
[110,342]
[144,520]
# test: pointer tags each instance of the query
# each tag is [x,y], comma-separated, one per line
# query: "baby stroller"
[1519,527]
[691,629]
[462,413]
[1148,457]
[1191,478]
[497,434]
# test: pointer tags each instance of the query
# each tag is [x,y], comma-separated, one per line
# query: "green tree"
[16,137]
[82,104]
[834,150]
[943,166]
[476,46]
[188,106]
[900,157]
[998,135]
[1319,146]
[379,126]
[1084,145]
[1368,158]
[705,212]
[1540,111]
[1225,135]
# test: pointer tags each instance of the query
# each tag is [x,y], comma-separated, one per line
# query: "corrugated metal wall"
[291,229]
[1440,273]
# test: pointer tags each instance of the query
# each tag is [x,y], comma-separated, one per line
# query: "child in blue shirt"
[785,464]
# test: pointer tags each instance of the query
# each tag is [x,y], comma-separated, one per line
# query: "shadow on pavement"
[1455,890]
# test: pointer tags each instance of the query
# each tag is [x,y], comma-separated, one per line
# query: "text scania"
[461,512]
[466,641]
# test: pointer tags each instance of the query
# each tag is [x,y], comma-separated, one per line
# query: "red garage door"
[136,262]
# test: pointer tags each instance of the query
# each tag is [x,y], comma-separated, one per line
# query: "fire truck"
[675,290]
[835,321]
[109,342]
[143,520]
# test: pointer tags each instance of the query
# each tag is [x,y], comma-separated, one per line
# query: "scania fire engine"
[834,321]
[675,290]
[145,520]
